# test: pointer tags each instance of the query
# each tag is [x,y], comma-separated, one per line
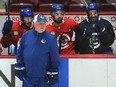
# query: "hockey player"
[62,28]
[94,35]
[38,56]
[12,32]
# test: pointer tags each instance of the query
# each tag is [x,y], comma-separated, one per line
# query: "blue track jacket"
[37,51]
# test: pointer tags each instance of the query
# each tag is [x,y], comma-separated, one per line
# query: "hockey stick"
[8,8]
[26,82]
[60,43]
[93,50]
[85,3]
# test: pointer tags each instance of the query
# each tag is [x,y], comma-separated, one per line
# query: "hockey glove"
[7,27]
[20,71]
[51,76]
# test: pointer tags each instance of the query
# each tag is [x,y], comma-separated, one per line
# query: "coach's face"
[93,15]
[40,26]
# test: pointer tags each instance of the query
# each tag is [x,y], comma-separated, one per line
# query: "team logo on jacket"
[94,41]
[43,41]
[15,33]
[63,40]
[53,33]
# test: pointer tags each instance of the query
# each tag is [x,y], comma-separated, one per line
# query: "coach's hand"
[20,71]
[51,76]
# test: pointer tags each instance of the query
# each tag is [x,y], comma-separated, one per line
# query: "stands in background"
[44,5]
[15,7]
[107,7]
[53,1]
[77,8]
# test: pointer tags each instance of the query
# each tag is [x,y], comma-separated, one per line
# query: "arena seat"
[53,1]
[45,7]
[20,1]
[77,8]
[15,7]
[108,7]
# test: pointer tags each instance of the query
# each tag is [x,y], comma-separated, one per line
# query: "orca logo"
[64,40]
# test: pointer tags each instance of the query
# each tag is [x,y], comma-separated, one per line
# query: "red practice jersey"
[16,33]
[66,29]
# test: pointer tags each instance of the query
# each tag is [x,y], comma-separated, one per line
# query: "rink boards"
[73,72]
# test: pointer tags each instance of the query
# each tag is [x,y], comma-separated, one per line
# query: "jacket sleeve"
[54,54]
[107,36]
[20,51]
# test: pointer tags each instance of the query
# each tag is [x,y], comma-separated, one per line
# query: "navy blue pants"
[34,82]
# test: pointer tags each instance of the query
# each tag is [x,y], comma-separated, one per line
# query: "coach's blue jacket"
[37,51]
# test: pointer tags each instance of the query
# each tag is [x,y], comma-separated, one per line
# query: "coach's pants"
[34,82]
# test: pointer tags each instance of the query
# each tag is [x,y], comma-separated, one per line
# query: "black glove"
[20,71]
[7,27]
[51,76]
